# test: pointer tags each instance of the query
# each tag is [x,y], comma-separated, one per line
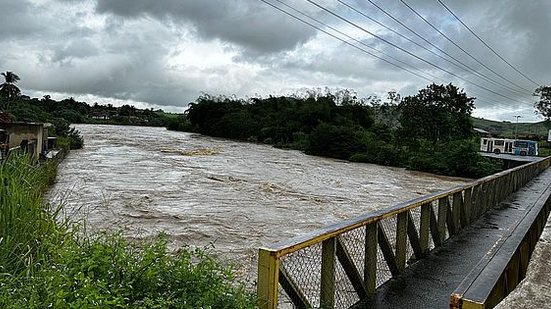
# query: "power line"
[485,44]
[468,68]
[358,41]
[420,36]
[344,41]
[406,51]
[459,47]
[356,47]
[354,39]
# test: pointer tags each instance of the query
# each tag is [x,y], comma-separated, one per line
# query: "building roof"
[477,130]
[21,123]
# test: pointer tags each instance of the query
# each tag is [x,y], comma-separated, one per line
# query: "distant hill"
[507,128]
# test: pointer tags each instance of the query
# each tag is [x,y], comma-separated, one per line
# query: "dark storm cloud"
[75,50]
[513,28]
[17,19]
[249,24]
[167,52]
[529,21]
[516,30]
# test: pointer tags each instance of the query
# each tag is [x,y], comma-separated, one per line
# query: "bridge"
[467,247]
[509,160]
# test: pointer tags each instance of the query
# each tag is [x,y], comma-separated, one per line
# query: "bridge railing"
[342,264]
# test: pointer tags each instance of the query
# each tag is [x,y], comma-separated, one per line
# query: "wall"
[33,132]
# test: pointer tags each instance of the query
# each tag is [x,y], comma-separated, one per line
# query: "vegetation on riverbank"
[69,110]
[508,129]
[430,131]
[17,108]
[45,262]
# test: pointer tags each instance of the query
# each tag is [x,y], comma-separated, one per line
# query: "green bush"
[334,141]
[110,272]
[300,141]
[26,227]
[75,139]
[179,123]
[70,140]
[454,158]
[45,264]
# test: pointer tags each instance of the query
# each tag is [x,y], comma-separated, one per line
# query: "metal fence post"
[327,288]
[442,215]
[268,279]
[424,227]
[370,259]
[401,240]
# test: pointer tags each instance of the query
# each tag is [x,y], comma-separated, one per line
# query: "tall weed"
[47,263]
[26,227]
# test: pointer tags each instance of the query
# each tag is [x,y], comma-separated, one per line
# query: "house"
[100,115]
[29,136]
[482,133]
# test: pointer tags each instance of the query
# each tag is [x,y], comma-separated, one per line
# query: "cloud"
[17,20]
[249,24]
[167,52]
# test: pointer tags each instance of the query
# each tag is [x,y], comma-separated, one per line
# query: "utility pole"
[516,126]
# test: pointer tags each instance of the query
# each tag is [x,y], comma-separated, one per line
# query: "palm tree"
[8,89]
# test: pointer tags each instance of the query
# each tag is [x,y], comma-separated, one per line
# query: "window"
[499,142]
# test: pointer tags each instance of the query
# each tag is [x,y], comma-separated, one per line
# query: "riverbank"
[429,135]
[47,262]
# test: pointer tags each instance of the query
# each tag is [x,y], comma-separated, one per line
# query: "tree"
[437,113]
[335,141]
[543,105]
[8,89]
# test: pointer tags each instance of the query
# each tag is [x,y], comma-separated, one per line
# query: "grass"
[509,128]
[544,149]
[25,225]
[47,263]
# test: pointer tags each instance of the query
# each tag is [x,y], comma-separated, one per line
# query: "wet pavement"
[430,282]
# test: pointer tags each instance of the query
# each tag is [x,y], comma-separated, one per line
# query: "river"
[201,190]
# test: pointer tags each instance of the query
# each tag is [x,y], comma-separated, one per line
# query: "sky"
[166,53]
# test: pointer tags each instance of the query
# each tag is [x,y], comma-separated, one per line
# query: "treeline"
[25,108]
[20,109]
[430,131]
[62,113]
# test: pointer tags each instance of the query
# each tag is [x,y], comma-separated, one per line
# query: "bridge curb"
[505,265]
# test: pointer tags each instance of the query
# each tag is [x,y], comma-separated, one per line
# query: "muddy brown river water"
[202,190]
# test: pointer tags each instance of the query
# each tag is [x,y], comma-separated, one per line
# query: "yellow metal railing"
[505,265]
[342,264]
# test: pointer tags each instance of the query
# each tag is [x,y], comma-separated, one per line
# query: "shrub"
[180,123]
[108,271]
[75,139]
[334,141]
[72,140]
[45,264]
[454,158]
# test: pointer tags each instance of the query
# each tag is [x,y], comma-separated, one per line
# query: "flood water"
[202,190]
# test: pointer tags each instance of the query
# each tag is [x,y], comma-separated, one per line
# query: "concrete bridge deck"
[535,290]
[429,283]
[509,157]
